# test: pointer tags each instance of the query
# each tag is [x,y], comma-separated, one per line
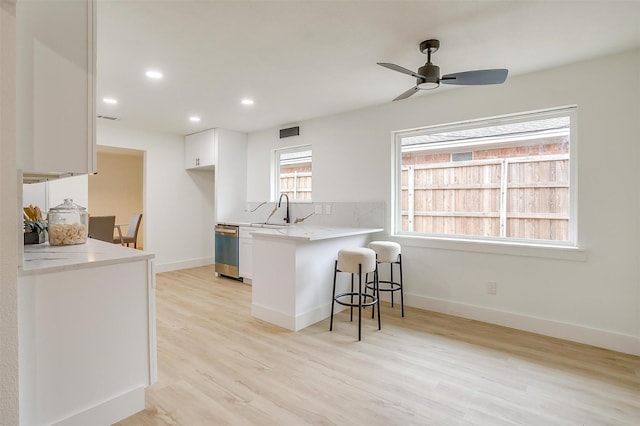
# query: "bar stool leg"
[366,283]
[373,291]
[359,301]
[401,284]
[333,298]
[351,307]
[391,274]
[366,280]
[377,285]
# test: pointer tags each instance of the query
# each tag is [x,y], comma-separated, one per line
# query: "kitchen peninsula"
[87,332]
[293,271]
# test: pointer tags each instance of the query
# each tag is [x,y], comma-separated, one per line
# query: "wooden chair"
[101,227]
[132,231]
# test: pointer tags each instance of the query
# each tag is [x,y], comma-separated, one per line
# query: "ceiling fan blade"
[478,77]
[399,69]
[408,93]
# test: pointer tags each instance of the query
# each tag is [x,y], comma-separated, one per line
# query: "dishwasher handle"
[226,230]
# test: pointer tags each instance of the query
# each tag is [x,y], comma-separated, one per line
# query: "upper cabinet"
[224,151]
[200,150]
[55,80]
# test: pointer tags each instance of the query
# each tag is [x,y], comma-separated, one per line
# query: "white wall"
[594,300]
[178,204]
[10,220]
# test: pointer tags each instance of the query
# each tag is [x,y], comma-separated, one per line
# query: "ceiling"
[303,59]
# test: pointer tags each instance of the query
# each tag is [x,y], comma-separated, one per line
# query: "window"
[506,178]
[292,173]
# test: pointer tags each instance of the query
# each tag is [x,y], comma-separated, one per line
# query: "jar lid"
[67,206]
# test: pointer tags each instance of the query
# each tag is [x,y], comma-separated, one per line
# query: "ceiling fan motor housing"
[430,76]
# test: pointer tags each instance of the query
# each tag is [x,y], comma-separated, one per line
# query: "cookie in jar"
[68,224]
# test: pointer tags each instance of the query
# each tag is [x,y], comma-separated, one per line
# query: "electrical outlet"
[327,209]
[318,208]
[492,287]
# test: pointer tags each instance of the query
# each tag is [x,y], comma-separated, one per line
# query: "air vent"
[106,117]
[291,131]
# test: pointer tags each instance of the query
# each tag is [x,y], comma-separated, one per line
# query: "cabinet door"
[55,82]
[246,258]
[191,149]
[199,150]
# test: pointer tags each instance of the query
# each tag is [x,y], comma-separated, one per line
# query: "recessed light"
[247,102]
[194,119]
[155,75]
[110,101]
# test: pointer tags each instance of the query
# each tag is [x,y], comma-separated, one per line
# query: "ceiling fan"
[428,75]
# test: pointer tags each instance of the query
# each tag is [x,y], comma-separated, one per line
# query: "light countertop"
[43,258]
[311,232]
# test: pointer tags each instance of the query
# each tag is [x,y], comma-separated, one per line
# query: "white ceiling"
[304,59]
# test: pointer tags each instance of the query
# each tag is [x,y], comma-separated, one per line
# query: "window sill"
[495,247]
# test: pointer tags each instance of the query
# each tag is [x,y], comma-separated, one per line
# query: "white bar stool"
[388,252]
[356,261]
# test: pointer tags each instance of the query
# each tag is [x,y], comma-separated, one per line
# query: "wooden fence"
[510,197]
[296,184]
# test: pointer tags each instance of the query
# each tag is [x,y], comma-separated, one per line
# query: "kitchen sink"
[269,225]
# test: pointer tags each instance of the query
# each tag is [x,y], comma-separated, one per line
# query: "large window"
[506,178]
[292,173]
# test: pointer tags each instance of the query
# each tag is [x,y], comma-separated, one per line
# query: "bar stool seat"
[388,252]
[358,260]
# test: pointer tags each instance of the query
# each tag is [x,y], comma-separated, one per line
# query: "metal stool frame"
[393,285]
[369,299]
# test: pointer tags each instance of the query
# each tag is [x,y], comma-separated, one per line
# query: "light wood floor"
[219,366]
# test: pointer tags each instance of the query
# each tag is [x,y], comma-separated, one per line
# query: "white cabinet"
[246,254]
[87,335]
[55,86]
[224,151]
[200,150]
[230,175]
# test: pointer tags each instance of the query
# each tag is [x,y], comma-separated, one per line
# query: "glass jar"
[67,224]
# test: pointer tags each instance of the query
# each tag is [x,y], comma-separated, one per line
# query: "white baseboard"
[185,264]
[108,412]
[576,333]
[274,317]
[315,315]
[294,323]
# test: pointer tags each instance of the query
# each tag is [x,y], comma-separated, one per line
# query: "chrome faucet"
[286,218]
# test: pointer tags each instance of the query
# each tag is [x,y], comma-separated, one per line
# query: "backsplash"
[366,215]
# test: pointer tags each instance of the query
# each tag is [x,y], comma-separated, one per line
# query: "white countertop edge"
[312,233]
[43,258]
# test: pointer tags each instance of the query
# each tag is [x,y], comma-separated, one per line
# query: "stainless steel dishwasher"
[226,250]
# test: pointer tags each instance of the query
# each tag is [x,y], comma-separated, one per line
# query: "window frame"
[275,171]
[479,243]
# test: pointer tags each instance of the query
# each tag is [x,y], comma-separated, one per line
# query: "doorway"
[118,187]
